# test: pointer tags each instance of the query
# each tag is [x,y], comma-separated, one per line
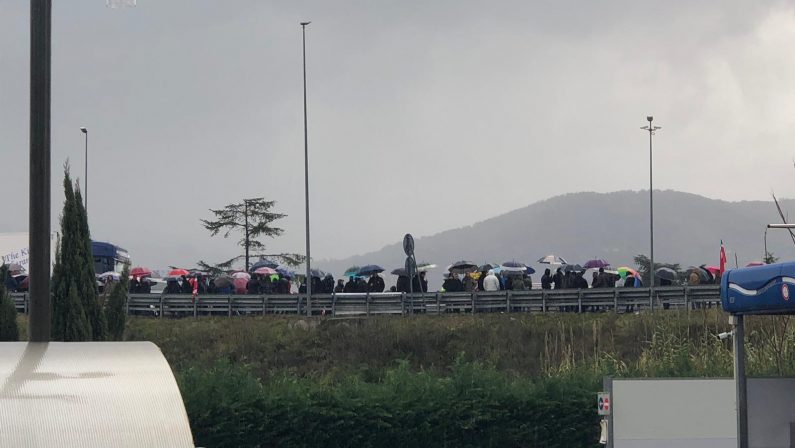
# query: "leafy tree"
[8,312]
[252,218]
[76,315]
[643,262]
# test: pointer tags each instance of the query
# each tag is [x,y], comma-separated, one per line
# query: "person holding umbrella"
[376,283]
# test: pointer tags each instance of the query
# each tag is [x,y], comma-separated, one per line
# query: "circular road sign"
[408,244]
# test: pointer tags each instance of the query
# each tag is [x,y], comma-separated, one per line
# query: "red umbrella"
[178,272]
[714,270]
[240,285]
[265,271]
[139,271]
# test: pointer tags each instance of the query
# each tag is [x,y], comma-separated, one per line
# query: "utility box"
[89,394]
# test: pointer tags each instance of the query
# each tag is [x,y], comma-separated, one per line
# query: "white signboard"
[19,257]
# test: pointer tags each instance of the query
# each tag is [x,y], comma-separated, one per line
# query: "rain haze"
[423,116]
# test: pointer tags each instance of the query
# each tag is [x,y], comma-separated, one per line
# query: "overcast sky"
[423,115]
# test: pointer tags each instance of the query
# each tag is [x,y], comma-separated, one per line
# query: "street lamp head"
[84,130]
[305,23]
[649,118]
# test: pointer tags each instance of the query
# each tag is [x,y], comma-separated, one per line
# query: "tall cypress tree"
[115,306]
[70,321]
[87,286]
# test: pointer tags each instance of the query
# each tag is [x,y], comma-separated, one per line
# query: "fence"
[617,300]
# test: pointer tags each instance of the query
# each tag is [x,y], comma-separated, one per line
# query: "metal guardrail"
[617,300]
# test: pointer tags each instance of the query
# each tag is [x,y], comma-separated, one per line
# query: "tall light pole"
[39,200]
[306,183]
[651,128]
[85,179]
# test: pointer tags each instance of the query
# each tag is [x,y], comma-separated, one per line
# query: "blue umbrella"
[284,271]
[352,271]
[263,263]
[514,266]
[370,269]
[530,270]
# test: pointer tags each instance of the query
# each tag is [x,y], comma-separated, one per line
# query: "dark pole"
[651,128]
[306,183]
[85,180]
[39,195]
[739,380]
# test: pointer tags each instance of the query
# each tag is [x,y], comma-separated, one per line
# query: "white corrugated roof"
[89,394]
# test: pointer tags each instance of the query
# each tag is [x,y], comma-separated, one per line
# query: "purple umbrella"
[597,263]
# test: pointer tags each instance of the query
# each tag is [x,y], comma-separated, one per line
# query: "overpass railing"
[616,300]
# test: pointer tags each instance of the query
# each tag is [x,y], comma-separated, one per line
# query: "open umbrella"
[370,269]
[399,272]
[264,270]
[702,273]
[196,273]
[714,270]
[425,266]
[140,271]
[14,267]
[224,281]
[240,285]
[596,263]
[243,275]
[110,274]
[573,268]
[666,274]
[462,267]
[178,273]
[486,267]
[530,270]
[514,266]
[352,271]
[552,259]
[284,271]
[623,271]
[264,262]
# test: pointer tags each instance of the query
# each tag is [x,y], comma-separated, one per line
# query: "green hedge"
[472,407]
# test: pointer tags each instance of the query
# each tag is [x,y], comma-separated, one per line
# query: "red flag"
[722,258]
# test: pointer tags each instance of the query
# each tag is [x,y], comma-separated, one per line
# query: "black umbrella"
[223,281]
[463,267]
[370,269]
[487,267]
[514,266]
[666,274]
[573,268]
[399,272]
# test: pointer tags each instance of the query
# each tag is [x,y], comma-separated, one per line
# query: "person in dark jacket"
[557,279]
[350,286]
[328,284]
[546,280]
[252,286]
[172,287]
[317,285]
[340,286]
[420,284]
[283,286]
[187,288]
[302,287]
[360,285]
[376,283]
[483,275]
[402,284]
[453,284]
[579,281]
[145,287]
[134,285]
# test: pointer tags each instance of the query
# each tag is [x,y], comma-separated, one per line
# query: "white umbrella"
[552,259]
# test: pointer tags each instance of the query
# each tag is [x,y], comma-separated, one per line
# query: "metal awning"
[89,394]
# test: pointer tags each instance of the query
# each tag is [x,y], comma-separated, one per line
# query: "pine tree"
[115,306]
[8,313]
[70,282]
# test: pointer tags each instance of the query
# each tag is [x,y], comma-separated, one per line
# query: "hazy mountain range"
[613,226]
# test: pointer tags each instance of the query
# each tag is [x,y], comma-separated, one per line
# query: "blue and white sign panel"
[759,289]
